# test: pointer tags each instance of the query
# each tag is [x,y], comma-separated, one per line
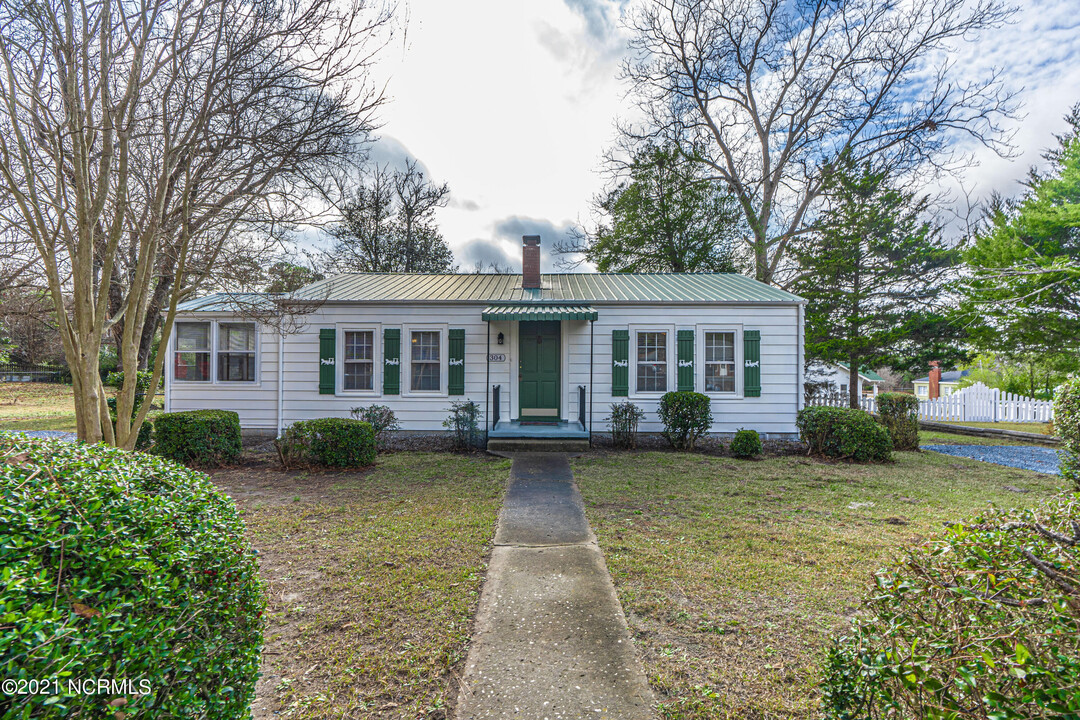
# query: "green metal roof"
[558,288]
[228,302]
[538,311]
[866,373]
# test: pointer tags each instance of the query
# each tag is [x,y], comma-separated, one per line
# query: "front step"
[538,444]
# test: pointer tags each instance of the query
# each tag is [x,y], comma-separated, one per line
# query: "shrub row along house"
[542,355]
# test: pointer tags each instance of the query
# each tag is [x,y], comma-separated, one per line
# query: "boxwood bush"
[899,412]
[123,566]
[844,433]
[686,417]
[331,442]
[982,623]
[201,437]
[1067,427]
[746,444]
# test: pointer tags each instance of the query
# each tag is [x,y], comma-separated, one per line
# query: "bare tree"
[771,93]
[388,223]
[137,137]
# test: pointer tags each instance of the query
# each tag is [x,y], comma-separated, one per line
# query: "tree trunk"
[853,381]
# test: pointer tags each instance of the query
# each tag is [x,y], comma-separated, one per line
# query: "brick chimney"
[935,379]
[530,261]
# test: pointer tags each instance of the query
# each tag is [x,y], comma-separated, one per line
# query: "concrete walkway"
[551,641]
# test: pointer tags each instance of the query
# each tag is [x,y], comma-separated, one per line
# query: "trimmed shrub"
[844,433]
[624,419]
[982,623]
[331,442]
[746,444]
[381,419]
[686,417]
[1067,427]
[124,566]
[899,412]
[464,423]
[201,437]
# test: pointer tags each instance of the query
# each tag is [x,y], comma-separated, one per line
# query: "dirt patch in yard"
[372,580]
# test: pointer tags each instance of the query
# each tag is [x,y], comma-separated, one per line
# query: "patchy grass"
[733,575]
[373,580]
[36,406]
[1028,427]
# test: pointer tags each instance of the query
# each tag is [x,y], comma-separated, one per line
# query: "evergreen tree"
[1023,289]
[666,218]
[870,271]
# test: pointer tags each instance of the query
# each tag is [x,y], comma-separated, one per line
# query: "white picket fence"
[975,403]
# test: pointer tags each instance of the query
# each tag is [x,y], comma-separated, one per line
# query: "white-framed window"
[425,352]
[191,356]
[843,388]
[236,352]
[652,351]
[946,390]
[922,390]
[359,353]
[215,351]
[718,359]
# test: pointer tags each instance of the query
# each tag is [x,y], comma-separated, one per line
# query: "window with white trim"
[652,361]
[425,365]
[191,358]
[236,352]
[358,360]
[720,361]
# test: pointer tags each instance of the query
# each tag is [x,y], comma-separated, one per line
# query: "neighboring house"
[949,383]
[837,377]
[541,354]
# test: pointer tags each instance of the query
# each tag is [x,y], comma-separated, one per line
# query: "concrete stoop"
[556,445]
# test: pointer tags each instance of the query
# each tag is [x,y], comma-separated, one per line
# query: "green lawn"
[1030,427]
[373,579]
[36,406]
[733,575]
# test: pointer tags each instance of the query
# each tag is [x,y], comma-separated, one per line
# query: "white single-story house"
[949,383]
[837,377]
[542,355]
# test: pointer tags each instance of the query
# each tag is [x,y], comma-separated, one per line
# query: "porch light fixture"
[499,339]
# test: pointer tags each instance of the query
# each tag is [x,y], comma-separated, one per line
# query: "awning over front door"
[539,311]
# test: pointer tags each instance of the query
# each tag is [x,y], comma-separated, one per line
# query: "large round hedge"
[844,433]
[982,623]
[1067,427]
[124,567]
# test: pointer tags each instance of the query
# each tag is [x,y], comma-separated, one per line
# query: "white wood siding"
[773,413]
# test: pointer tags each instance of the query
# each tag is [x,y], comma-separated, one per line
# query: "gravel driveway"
[44,434]
[1039,459]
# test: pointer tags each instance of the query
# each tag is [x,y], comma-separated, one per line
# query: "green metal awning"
[539,311]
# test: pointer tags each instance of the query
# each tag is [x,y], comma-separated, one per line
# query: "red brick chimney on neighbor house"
[935,379]
[530,261]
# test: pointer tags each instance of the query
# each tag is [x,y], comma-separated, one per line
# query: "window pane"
[652,377]
[359,375]
[652,347]
[236,366]
[192,336]
[720,377]
[359,345]
[425,376]
[237,337]
[425,345]
[192,366]
[719,347]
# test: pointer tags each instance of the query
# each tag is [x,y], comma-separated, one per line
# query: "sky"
[513,105]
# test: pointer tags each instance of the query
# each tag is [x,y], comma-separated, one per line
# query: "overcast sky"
[513,104]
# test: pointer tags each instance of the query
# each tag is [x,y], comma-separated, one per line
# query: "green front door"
[538,370]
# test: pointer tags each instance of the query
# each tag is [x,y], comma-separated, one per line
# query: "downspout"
[280,382]
[591,340]
[487,383]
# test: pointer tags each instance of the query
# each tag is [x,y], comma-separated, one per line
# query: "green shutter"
[327,352]
[456,372]
[686,361]
[391,361]
[752,363]
[620,363]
